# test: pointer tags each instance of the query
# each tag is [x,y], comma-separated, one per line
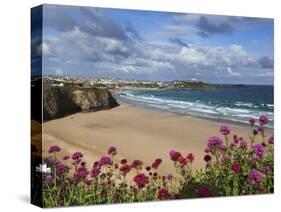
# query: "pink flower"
[141,180]
[136,164]
[259,150]
[182,160]
[124,169]
[96,164]
[155,176]
[174,155]
[214,142]
[207,158]
[252,121]
[243,144]
[205,191]
[271,139]
[163,193]
[190,157]
[66,157]
[156,163]
[255,177]
[266,170]
[104,160]
[112,151]
[55,162]
[61,169]
[235,139]
[77,155]
[81,173]
[235,167]
[54,149]
[95,171]
[224,129]
[263,119]
[123,161]
[255,131]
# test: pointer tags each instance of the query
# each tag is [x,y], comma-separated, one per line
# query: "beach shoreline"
[138,133]
[227,121]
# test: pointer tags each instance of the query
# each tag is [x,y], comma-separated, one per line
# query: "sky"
[148,45]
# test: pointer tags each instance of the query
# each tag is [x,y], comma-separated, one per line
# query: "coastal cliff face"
[62,101]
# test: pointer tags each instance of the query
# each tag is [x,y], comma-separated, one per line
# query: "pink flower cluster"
[54,149]
[141,180]
[214,143]
[224,129]
[259,151]
[112,151]
[178,158]
[255,177]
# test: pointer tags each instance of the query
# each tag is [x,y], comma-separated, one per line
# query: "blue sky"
[147,45]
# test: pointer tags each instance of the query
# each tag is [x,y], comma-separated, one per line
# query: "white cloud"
[112,45]
[231,73]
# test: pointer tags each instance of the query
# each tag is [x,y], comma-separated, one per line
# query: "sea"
[225,103]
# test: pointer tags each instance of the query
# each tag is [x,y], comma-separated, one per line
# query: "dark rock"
[61,101]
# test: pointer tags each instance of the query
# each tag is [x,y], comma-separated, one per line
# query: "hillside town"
[115,83]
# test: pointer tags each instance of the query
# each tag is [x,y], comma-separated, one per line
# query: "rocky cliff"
[62,101]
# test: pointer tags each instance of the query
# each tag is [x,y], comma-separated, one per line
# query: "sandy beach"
[137,133]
